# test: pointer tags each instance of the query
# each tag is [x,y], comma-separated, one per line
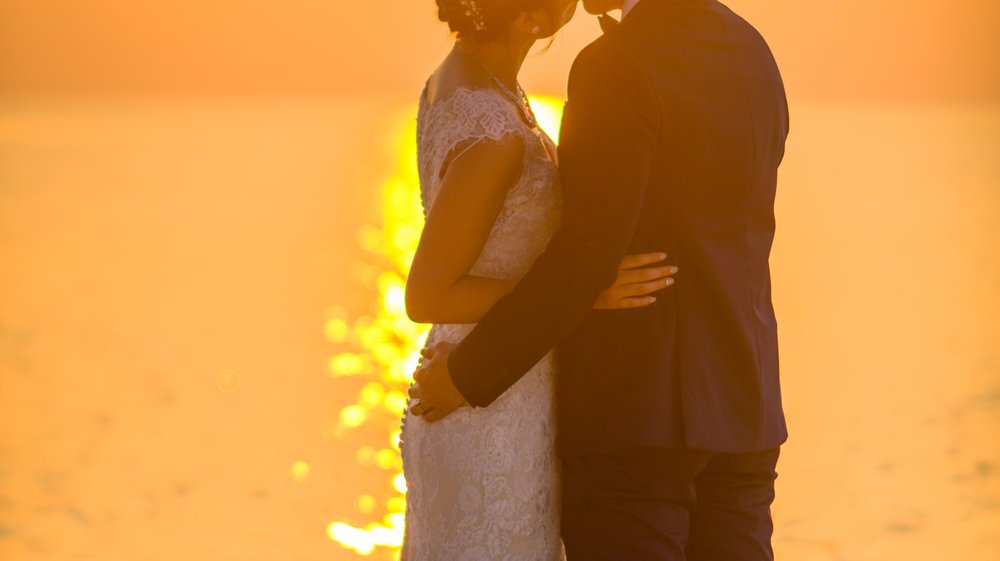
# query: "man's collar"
[627,7]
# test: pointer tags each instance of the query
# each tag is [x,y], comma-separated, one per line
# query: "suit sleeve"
[609,133]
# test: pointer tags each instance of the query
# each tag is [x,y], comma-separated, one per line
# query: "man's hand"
[434,395]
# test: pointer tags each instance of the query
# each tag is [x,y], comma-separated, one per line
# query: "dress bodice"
[531,211]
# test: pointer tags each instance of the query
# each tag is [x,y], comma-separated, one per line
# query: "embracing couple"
[574,401]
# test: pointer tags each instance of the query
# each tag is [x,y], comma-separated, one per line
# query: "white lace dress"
[483,484]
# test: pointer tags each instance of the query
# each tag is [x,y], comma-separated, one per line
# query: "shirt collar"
[627,7]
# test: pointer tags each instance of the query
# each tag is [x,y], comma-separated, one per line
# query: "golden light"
[336,328]
[366,503]
[227,381]
[366,456]
[548,111]
[349,364]
[385,348]
[353,416]
[300,471]
[399,483]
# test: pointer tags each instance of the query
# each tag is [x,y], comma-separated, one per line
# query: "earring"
[536,30]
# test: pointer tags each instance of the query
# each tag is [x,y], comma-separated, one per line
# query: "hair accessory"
[473,11]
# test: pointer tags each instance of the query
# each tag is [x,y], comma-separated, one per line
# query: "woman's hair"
[482,20]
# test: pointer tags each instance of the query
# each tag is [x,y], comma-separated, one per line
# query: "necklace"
[520,98]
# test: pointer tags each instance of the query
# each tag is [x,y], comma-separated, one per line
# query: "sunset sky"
[857,50]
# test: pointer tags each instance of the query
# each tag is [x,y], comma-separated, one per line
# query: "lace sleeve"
[455,124]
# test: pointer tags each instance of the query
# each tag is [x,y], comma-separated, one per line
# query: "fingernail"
[670,281]
[663,255]
[674,270]
[652,299]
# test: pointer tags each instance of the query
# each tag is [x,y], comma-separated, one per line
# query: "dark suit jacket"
[671,141]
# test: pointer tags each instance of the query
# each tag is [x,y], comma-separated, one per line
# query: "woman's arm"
[439,288]
[472,193]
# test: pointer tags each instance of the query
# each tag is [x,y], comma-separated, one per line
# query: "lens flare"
[385,347]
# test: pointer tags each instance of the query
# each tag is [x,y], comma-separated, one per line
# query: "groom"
[669,416]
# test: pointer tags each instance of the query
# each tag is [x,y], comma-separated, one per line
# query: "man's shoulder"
[595,50]
[603,54]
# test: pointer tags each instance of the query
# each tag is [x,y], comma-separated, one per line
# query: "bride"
[482,484]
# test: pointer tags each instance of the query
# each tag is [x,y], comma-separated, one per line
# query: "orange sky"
[842,50]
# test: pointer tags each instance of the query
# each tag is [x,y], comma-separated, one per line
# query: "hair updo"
[482,19]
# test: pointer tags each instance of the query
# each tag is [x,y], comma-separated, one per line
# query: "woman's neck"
[501,59]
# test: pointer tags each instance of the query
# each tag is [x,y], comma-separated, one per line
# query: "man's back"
[698,369]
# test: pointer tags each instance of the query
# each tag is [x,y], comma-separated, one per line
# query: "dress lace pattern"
[483,484]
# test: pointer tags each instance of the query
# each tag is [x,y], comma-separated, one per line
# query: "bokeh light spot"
[370,238]
[372,394]
[300,471]
[353,416]
[227,381]
[366,456]
[399,483]
[349,364]
[366,504]
[335,330]
[387,459]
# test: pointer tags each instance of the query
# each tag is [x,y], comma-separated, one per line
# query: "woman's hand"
[637,281]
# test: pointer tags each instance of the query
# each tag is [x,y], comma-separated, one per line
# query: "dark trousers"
[658,504]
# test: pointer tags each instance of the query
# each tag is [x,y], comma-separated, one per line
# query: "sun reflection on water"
[385,347]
